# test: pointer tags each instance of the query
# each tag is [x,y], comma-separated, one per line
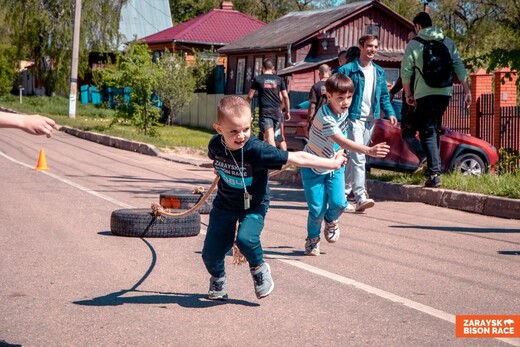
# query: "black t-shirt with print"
[259,157]
[318,94]
[269,87]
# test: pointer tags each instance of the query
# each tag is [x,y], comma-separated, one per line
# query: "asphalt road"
[397,276]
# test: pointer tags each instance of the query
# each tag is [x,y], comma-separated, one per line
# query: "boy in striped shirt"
[325,189]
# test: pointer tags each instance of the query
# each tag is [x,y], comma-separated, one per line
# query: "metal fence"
[510,127]
[456,117]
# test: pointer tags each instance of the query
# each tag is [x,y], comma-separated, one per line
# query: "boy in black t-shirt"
[318,94]
[242,161]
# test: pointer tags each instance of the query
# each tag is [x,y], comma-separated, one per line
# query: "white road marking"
[75,185]
[332,276]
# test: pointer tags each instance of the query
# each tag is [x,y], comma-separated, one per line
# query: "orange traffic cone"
[42,162]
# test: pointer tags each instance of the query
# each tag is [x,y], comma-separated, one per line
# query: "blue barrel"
[95,95]
[84,93]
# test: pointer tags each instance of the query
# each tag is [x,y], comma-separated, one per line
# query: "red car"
[469,154]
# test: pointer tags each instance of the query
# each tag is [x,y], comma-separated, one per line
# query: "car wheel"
[470,164]
[140,222]
[184,199]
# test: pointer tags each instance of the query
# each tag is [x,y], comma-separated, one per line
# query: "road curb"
[470,202]
[111,141]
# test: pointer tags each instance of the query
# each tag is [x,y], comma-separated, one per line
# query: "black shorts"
[265,123]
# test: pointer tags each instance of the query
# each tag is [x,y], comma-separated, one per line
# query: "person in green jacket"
[430,102]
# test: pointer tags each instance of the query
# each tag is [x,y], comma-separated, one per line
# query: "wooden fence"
[202,111]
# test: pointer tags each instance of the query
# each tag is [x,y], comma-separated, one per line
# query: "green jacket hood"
[431,34]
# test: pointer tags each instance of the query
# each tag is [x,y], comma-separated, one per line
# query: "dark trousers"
[409,130]
[221,235]
[429,112]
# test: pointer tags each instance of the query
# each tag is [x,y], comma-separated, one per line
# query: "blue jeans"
[325,195]
[221,235]
[361,132]
[429,113]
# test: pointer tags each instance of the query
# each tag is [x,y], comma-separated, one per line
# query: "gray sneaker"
[312,246]
[217,288]
[262,280]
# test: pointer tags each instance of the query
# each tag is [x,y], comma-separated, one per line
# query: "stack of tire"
[140,222]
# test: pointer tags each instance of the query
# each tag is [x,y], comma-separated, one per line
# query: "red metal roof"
[214,27]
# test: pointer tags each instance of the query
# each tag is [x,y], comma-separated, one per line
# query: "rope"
[159,211]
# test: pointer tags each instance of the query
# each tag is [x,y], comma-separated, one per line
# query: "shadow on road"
[152,297]
[458,229]
[155,298]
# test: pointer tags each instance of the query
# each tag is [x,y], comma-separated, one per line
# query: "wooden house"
[300,41]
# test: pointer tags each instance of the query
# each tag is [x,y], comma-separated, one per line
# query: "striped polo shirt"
[325,124]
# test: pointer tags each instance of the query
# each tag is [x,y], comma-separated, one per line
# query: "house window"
[373,29]
[241,66]
[280,63]
[258,66]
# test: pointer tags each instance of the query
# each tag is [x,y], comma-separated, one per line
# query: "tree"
[134,69]
[184,10]
[42,31]
[176,84]
[204,68]
[406,8]
[265,10]
[8,64]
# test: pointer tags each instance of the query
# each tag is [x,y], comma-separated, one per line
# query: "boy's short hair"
[323,69]
[268,64]
[339,83]
[366,38]
[231,105]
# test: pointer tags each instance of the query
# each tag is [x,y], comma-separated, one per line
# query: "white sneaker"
[363,203]
[348,209]
[331,231]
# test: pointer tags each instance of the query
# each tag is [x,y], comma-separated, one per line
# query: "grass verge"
[98,119]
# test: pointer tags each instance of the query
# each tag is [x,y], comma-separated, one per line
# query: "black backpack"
[437,64]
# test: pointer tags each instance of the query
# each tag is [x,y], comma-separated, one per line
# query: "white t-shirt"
[368,93]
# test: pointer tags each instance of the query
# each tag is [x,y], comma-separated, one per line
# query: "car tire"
[470,164]
[140,222]
[184,199]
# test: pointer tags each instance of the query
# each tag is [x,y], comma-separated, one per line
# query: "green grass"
[98,119]
[506,185]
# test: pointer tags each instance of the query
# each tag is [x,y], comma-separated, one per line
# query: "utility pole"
[74,68]
[425,4]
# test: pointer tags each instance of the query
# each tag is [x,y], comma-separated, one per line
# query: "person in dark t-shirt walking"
[269,86]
